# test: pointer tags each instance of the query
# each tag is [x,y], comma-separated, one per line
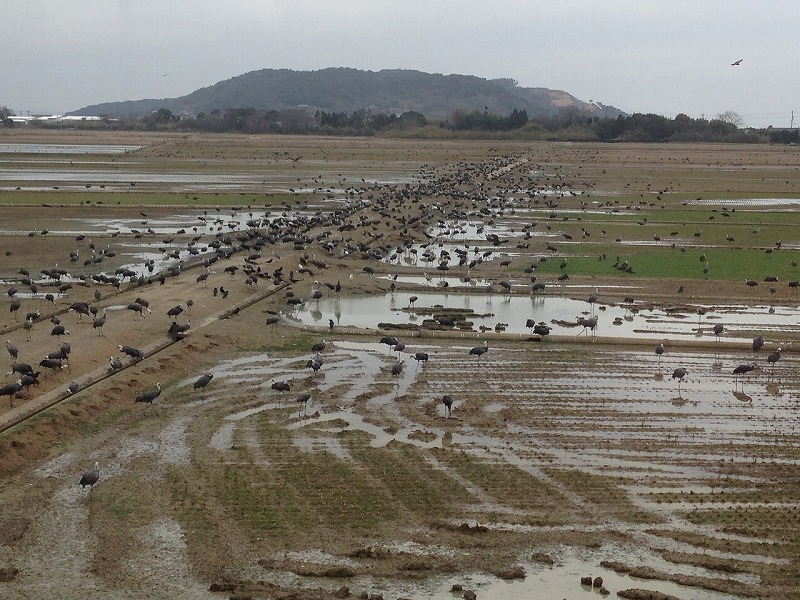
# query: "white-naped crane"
[99,321]
[12,350]
[397,368]
[302,400]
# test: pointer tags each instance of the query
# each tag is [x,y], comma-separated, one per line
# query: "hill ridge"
[346,89]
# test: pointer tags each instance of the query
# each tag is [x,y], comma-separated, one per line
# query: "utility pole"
[791,123]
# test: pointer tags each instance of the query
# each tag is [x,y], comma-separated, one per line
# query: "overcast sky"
[665,57]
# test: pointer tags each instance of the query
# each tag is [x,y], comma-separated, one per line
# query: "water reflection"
[486,311]
[21,148]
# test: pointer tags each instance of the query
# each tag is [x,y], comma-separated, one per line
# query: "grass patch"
[603,491]
[412,482]
[779,524]
[724,264]
[299,493]
[506,484]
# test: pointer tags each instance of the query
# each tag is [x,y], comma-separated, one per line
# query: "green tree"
[6,112]
[158,117]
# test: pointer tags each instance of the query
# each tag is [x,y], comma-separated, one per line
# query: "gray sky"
[665,57]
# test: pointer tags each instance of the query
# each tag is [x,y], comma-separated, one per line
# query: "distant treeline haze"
[569,124]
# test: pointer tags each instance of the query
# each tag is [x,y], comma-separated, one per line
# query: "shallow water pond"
[513,310]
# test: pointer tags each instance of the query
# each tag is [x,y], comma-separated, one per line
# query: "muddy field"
[562,456]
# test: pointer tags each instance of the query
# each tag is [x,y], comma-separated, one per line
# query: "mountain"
[347,90]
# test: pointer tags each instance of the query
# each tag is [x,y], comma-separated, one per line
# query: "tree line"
[570,124]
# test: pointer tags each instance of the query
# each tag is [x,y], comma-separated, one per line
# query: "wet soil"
[557,455]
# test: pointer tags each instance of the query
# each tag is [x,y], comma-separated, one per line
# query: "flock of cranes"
[339,248]
[758,342]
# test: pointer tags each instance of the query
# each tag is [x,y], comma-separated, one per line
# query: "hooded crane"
[10,389]
[91,477]
[149,396]
[480,350]
[54,364]
[314,364]
[541,329]
[741,370]
[390,341]
[659,352]
[397,368]
[592,299]
[679,374]
[178,331]
[280,386]
[447,400]
[58,331]
[82,308]
[203,380]
[134,353]
[137,309]
[773,358]
[175,311]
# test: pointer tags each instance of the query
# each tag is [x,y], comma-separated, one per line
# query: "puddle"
[20,148]
[562,580]
[323,444]
[758,203]
[541,582]
[123,177]
[512,312]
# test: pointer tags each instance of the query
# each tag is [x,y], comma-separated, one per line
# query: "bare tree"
[731,117]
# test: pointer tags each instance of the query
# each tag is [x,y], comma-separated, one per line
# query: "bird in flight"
[737,63]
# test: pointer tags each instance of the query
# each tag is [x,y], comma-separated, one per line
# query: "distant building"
[24,120]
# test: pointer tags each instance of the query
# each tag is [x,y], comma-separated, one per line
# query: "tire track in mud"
[530,410]
[56,559]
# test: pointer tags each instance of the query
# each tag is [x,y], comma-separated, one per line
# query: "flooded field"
[609,414]
[471,453]
[23,148]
